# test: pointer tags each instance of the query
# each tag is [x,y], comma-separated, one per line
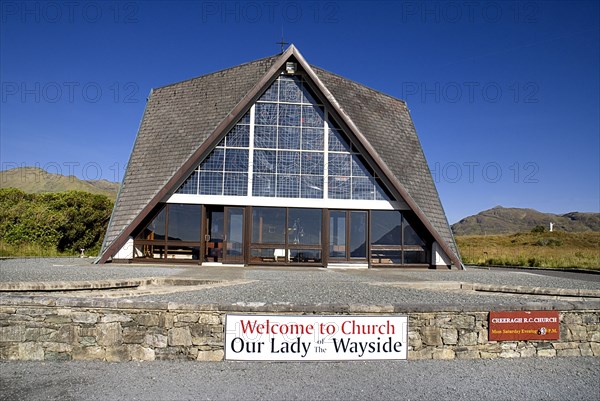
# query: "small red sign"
[524,325]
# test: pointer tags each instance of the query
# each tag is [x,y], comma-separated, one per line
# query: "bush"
[64,221]
[548,242]
[538,229]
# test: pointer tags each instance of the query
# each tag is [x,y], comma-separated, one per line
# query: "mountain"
[505,220]
[36,180]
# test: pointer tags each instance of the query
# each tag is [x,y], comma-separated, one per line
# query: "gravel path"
[300,285]
[74,269]
[319,292]
[543,379]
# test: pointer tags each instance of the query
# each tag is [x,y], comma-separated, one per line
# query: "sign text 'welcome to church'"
[315,338]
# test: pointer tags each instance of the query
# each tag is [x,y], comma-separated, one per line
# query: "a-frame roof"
[183,120]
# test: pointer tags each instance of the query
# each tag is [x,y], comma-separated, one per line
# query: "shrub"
[548,242]
[64,221]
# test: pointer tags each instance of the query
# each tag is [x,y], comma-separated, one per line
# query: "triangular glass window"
[295,149]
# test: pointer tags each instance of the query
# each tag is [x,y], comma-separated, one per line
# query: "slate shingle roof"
[180,117]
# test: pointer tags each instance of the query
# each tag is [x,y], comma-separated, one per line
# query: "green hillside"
[35,180]
[501,220]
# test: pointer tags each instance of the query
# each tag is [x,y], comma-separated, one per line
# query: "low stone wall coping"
[23,300]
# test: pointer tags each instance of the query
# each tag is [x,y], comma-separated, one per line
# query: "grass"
[29,250]
[546,249]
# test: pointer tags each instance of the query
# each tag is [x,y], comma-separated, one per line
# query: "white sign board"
[315,338]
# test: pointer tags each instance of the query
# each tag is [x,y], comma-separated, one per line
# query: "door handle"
[207,238]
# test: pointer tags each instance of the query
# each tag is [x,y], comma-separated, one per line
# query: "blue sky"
[504,95]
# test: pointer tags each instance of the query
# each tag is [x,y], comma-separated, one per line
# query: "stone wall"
[36,328]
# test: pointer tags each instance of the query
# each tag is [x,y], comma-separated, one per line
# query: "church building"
[278,162]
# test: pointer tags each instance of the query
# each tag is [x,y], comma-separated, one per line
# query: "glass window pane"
[156,229]
[214,161]
[271,92]
[312,139]
[304,226]
[268,225]
[190,186]
[235,232]
[245,118]
[339,187]
[307,95]
[290,90]
[288,186]
[410,235]
[184,222]
[265,137]
[386,256]
[338,142]
[236,184]
[266,113]
[264,161]
[358,235]
[311,186]
[151,251]
[183,252]
[288,162]
[339,164]
[380,193]
[305,255]
[312,163]
[358,168]
[337,234]
[238,137]
[211,183]
[236,160]
[362,188]
[288,138]
[385,227]
[263,185]
[312,116]
[415,257]
[289,115]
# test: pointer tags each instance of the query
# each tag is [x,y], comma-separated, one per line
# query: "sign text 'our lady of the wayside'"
[313,338]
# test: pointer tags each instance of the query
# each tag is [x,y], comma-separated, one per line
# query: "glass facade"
[281,235]
[286,146]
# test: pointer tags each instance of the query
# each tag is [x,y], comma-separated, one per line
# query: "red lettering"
[248,326]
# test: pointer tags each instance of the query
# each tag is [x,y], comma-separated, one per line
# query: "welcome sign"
[315,338]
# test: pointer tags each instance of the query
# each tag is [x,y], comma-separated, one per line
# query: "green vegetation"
[52,224]
[534,249]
